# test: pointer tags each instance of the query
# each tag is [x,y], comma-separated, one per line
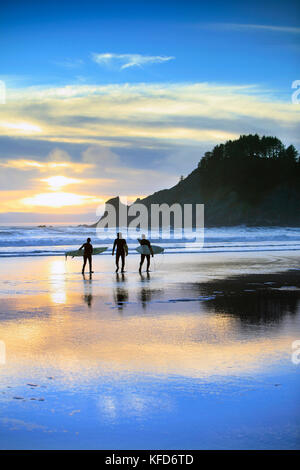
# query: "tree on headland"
[250,166]
[251,180]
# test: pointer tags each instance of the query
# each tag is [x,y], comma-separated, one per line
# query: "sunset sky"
[121,98]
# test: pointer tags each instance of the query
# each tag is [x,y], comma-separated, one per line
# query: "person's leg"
[90,263]
[117,261]
[141,262]
[123,261]
[148,262]
[84,263]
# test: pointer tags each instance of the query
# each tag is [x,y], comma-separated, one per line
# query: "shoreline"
[193,355]
[132,252]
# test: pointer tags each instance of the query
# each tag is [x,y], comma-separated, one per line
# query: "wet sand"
[195,355]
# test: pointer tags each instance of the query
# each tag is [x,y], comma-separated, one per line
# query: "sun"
[57,182]
[58,199]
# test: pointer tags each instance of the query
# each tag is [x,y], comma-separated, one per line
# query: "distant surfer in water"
[144,242]
[121,248]
[87,254]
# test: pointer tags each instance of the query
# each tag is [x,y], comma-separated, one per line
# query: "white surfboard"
[96,251]
[144,249]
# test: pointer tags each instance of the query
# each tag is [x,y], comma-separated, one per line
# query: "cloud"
[29,165]
[255,27]
[149,115]
[70,63]
[18,424]
[126,139]
[123,177]
[124,61]
[102,157]
[103,174]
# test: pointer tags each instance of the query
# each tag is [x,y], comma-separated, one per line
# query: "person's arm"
[150,248]
[81,246]
[126,248]
[113,250]
[139,240]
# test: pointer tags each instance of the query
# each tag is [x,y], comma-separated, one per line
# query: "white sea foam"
[56,239]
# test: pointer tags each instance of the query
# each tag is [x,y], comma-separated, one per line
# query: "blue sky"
[209,40]
[155,84]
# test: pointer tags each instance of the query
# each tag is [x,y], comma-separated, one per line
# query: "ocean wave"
[55,240]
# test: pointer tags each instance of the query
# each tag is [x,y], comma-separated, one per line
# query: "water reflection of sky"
[120,361]
[57,281]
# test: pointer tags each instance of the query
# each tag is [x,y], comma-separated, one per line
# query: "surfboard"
[144,249]
[96,251]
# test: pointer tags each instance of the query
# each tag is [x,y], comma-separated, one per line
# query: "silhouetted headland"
[252,181]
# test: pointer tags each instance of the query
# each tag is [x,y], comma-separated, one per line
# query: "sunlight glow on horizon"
[24,164]
[57,182]
[25,127]
[58,199]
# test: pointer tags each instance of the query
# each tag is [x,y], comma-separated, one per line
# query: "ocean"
[53,240]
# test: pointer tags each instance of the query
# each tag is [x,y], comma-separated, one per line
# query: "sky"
[122,98]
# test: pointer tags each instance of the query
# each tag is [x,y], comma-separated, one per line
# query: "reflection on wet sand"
[57,281]
[189,359]
[145,293]
[255,299]
[194,339]
[88,292]
[120,293]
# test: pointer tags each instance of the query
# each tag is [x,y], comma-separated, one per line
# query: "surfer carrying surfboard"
[143,241]
[87,254]
[121,248]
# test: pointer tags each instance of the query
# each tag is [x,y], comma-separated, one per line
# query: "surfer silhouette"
[121,248]
[87,254]
[144,242]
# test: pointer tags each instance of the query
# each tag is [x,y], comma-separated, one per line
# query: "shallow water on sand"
[197,354]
